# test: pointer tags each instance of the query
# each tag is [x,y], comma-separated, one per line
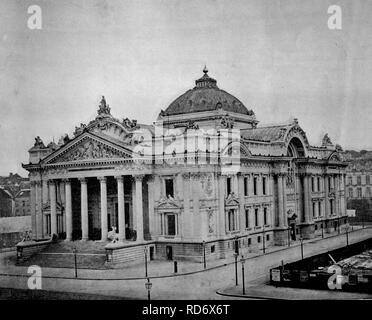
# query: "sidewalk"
[192,282]
[285,293]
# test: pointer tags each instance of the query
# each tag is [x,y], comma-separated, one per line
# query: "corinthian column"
[68,210]
[306,198]
[84,210]
[280,200]
[103,189]
[139,209]
[121,212]
[53,208]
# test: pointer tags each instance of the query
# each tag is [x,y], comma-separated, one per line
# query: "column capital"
[138,177]
[51,182]
[185,175]
[102,179]
[83,180]
[66,180]
[119,178]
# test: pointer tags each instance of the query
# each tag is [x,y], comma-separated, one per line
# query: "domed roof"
[205,96]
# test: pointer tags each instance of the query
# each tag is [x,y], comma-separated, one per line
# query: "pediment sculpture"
[91,149]
[80,129]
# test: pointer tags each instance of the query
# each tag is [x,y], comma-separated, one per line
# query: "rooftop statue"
[326,141]
[39,143]
[104,108]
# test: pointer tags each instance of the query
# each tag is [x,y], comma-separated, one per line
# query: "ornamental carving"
[207,185]
[210,213]
[227,122]
[92,150]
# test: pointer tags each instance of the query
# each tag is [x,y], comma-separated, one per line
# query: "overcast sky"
[278,57]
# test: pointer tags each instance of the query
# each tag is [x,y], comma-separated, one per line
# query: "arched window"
[295,148]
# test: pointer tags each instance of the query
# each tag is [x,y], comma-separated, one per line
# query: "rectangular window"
[228,185]
[320,208]
[350,180]
[231,220]
[265,216]
[213,248]
[359,180]
[249,241]
[263,185]
[319,187]
[331,205]
[169,190]
[256,217]
[267,237]
[368,181]
[314,203]
[245,186]
[259,239]
[350,192]
[247,218]
[312,184]
[171,225]
[329,184]
[255,185]
[359,192]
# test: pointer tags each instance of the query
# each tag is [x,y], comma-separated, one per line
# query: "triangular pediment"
[168,203]
[88,146]
[231,200]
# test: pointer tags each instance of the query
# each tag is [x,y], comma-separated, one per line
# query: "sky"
[278,57]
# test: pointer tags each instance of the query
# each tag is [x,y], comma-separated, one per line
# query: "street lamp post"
[242,262]
[148,286]
[289,239]
[74,250]
[205,262]
[236,267]
[302,248]
[145,251]
[263,239]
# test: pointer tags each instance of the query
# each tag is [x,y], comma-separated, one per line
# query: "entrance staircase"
[89,255]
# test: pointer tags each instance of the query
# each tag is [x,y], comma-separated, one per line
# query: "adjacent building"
[359,184]
[15,210]
[204,179]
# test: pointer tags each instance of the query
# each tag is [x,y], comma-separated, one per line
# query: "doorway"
[151,253]
[293,231]
[169,252]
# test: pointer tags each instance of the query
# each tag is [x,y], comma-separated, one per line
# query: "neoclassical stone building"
[202,179]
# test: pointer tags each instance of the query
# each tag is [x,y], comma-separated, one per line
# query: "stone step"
[67,260]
